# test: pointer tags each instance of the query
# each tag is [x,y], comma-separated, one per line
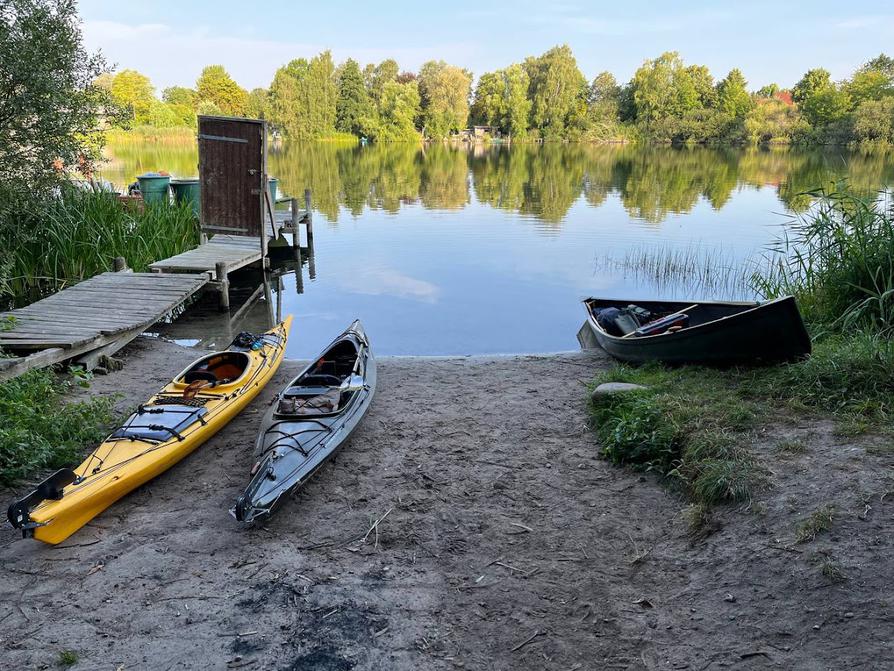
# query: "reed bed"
[687,272]
[55,240]
[838,260]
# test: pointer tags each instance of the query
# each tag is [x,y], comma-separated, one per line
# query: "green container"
[186,191]
[154,187]
[272,184]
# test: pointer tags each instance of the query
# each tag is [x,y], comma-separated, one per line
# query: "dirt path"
[504,543]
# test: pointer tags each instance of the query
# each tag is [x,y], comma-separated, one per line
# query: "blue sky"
[769,41]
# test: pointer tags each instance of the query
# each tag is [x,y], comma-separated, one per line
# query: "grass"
[791,446]
[56,240]
[687,425]
[68,658]
[819,521]
[692,271]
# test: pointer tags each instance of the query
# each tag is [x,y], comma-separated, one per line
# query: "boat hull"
[291,449]
[120,465]
[733,333]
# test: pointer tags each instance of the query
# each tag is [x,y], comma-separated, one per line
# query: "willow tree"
[501,100]
[557,90]
[444,98]
[303,98]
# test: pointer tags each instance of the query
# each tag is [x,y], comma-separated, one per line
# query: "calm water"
[490,250]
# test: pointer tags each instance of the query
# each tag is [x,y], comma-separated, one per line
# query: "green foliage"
[811,83]
[873,122]
[56,240]
[258,106]
[215,85]
[732,95]
[826,106]
[133,92]
[397,113]
[376,76]
[838,260]
[444,98]
[68,658]
[39,431]
[49,99]
[180,95]
[772,121]
[303,98]
[353,104]
[557,90]
[663,87]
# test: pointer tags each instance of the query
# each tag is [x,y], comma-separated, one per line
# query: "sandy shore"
[507,545]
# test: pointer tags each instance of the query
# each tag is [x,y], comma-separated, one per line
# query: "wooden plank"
[40,359]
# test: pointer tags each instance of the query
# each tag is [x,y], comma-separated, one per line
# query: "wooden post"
[223,285]
[299,279]
[311,266]
[120,264]
[296,235]
[308,217]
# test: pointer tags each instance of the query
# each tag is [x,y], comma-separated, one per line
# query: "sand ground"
[504,542]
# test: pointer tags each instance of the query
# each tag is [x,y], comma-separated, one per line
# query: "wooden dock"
[93,318]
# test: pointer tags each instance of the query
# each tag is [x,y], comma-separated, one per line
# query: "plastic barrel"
[272,184]
[186,191]
[154,187]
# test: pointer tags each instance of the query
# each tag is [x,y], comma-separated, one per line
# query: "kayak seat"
[199,375]
[159,423]
[217,368]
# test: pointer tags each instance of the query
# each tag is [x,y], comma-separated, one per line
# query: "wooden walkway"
[232,250]
[93,318]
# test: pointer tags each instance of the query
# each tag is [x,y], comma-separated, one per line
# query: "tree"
[703,83]
[557,90]
[732,95]
[180,95]
[487,108]
[768,91]
[398,111]
[881,63]
[303,97]
[444,98]
[663,87]
[134,94]
[867,84]
[258,103]
[215,85]
[352,104]
[49,101]
[826,106]
[604,98]
[874,121]
[812,82]
[376,76]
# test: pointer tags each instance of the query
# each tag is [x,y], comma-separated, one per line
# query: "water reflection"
[538,181]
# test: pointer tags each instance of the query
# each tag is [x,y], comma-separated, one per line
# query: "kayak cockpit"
[217,368]
[326,387]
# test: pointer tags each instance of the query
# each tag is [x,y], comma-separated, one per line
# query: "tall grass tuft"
[838,260]
[689,272]
[54,240]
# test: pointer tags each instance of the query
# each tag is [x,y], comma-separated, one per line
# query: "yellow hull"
[120,465]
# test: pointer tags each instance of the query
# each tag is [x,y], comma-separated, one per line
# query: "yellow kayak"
[194,406]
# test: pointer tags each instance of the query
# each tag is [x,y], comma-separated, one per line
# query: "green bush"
[39,430]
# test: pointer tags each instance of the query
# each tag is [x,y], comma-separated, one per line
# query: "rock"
[610,388]
[730,598]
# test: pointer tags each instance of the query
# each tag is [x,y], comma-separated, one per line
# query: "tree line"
[545,97]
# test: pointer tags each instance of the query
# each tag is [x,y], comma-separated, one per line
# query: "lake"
[484,250]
